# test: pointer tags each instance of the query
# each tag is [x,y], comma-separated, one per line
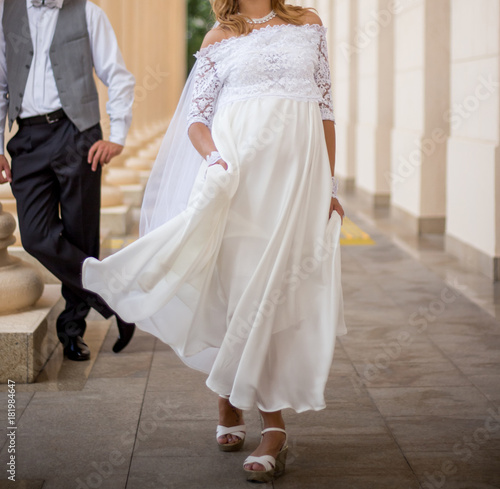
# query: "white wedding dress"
[245,283]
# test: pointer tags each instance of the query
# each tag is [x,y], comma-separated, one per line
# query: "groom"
[49,50]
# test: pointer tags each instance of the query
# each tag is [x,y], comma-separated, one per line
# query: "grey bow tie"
[47,3]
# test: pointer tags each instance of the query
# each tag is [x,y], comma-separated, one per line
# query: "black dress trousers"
[58,204]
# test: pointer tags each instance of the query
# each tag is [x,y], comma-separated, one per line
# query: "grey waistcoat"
[70,55]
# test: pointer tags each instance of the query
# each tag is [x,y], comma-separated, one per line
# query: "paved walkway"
[413,396]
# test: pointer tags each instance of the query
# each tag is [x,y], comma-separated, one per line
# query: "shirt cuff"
[118,132]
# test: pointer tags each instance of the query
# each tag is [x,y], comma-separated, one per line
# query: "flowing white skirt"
[245,284]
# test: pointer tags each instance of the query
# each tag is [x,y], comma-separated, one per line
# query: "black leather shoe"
[125,333]
[77,350]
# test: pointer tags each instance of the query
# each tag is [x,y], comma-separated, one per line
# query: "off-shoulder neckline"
[211,47]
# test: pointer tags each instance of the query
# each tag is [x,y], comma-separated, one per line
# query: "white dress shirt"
[41,95]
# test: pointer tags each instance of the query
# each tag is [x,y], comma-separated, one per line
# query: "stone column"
[345,75]
[374,45]
[155,46]
[421,98]
[473,160]
[175,30]
[325,10]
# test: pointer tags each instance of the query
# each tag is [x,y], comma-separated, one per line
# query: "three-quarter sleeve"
[207,86]
[324,81]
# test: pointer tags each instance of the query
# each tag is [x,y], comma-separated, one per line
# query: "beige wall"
[421,78]
[152,35]
[473,185]
[344,78]
[375,84]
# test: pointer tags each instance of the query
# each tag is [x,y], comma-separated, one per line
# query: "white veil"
[175,169]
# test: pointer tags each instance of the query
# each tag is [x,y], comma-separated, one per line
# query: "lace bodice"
[286,61]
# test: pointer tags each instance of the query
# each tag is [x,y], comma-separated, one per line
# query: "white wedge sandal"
[239,431]
[274,467]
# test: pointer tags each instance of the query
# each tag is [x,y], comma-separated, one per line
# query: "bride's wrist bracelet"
[213,158]
[335,188]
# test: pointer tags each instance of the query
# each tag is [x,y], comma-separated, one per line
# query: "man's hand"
[103,152]
[5,175]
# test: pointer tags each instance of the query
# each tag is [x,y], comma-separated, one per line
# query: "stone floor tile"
[442,434]
[467,325]
[370,296]
[339,352]
[361,431]
[70,433]
[322,456]
[103,476]
[462,468]
[472,365]
[462,307]
[360,332]
[486,347]
[489,385]
[410,374]
[407,348]
[188,472]
[165,356]
[443,401]
[165,378]
[22,400]
[295,479]
[177,404]
[124,365]
[21,484]
[342,376]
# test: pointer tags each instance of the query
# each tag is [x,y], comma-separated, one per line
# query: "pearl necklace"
[262,20]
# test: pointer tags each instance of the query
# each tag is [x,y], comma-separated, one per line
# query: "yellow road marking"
[117,243]
[353,235]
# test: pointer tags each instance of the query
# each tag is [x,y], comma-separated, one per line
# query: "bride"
[241,276]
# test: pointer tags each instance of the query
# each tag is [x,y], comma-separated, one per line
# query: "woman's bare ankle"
[228,414]
[272,420]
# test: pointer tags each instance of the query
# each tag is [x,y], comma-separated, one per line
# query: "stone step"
[28,338]
[118,220]
[133,194]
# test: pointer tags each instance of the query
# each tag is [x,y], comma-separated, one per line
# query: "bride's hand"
[335,206]
[221,163]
